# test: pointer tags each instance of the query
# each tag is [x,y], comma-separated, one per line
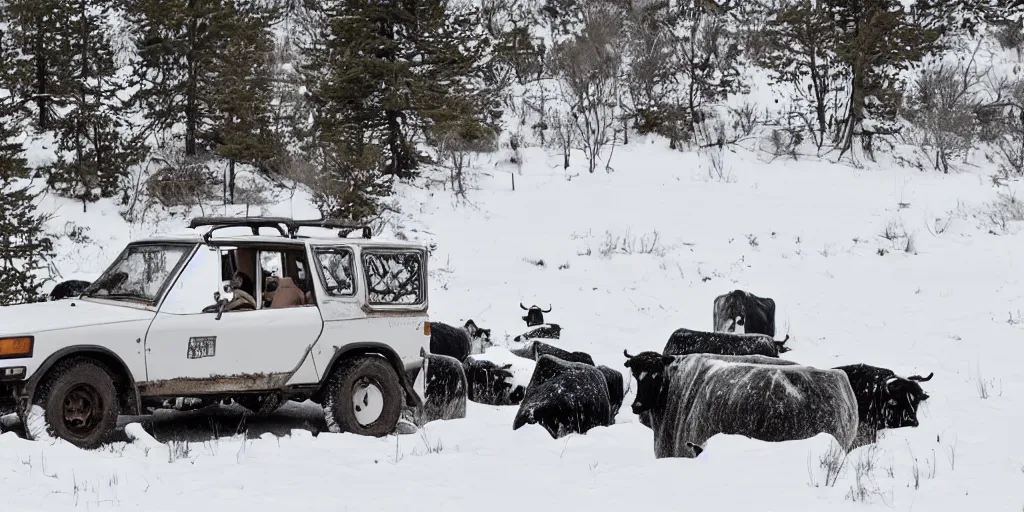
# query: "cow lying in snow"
[884,399]
[458,342]
[497,377]
[691,398]
[743,312]
[564,398]
[534,349]
[687,341]
[536,328]
[445,389]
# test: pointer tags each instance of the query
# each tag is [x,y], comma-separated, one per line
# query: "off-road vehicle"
[258,318]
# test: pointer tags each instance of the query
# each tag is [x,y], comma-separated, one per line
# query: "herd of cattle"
[729,381]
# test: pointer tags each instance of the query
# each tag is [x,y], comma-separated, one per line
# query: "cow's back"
[686,341]
[756,396]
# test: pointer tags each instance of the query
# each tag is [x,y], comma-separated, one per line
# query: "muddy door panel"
[242,351]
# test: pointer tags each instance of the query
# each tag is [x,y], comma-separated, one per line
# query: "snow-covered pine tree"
[24,248]
[94,150]
[37,29]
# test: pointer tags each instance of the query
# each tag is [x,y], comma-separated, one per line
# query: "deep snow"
[804,233]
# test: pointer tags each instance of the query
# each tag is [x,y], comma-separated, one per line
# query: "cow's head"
[534,314]
[901,398]
[648,369]
[481,337]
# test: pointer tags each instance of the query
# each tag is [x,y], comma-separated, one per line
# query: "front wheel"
[364,396]
[80,401]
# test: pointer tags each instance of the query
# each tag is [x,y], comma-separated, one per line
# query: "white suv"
[259,318]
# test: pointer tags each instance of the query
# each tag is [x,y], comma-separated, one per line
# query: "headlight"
[20,346]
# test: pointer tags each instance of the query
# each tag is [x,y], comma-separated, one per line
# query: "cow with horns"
[884,399]
[534,319]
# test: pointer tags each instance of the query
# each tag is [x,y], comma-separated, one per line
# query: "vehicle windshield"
[139,274]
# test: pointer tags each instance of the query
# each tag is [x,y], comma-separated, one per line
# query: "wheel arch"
[124,381]
[364,348]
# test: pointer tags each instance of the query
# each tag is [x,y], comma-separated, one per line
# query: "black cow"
[68,289]
[491,384]
[884,399]
[565,398]
[537,329]
[694,397]
[687,341]
[458,342]
[534,349]
[616,390]
[445,389]
[534,315]
[743,312]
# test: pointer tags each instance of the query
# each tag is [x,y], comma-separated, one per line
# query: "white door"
[188,351]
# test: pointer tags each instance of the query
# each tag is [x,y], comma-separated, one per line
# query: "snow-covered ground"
[808,234]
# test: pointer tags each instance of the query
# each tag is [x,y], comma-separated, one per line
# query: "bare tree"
[589,70]
[944,110]
[564,135]
[458,154]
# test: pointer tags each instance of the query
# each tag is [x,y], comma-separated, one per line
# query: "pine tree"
[94,152]
[242,92]
[878,40]
[183,48]
[23,248]
[393,68]
[38,29]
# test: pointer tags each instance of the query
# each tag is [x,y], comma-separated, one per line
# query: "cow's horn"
[625,353]
[919,378]
[524,307]
[547,310]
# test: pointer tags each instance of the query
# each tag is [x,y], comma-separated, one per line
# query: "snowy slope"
[805,233]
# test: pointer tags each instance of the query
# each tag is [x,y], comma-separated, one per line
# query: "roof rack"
[286,227]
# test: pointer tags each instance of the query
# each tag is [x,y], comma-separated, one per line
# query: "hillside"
[805,233]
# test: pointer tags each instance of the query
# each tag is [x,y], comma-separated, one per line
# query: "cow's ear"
[667,360]
[628,363]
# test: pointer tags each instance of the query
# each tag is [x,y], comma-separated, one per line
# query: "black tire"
[71,386]
[351,376]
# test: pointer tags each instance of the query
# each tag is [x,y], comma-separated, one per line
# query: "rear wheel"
[80,401]
[364,396]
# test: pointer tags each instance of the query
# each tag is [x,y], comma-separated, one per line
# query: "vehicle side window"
[394,277]
[336,270]
[282,286]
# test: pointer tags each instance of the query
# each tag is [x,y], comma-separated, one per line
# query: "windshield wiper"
[124,295]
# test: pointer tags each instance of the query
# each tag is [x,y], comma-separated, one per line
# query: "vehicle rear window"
[336,265]
[394,277]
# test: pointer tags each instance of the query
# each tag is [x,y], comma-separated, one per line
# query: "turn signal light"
[16,347]
[426,328]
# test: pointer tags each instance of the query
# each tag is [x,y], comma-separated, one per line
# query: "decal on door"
[202,346]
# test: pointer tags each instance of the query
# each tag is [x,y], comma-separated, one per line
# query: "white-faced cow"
[691,398]
[743,312]
[445,389]
[565,398]
[534,349]
[491,384]
[458,342]
[884,399]
[687,341]
[536,328]
[68,289]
